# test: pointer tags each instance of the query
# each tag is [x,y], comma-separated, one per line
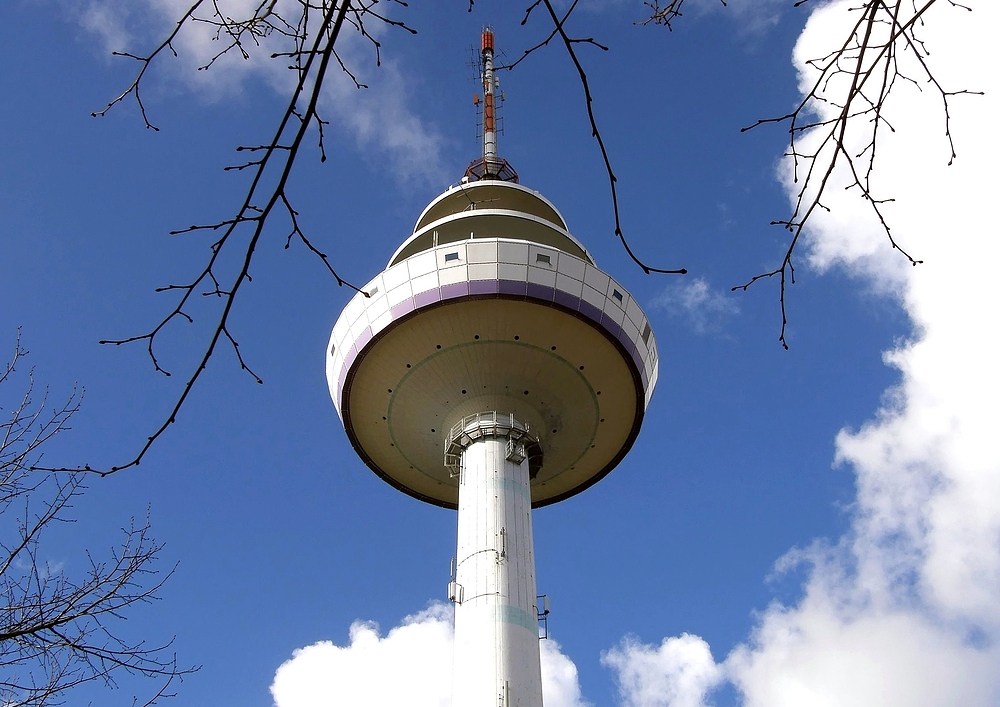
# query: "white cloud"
[106,23]
[411,665]
[379,118]
[905,608]
[560,680]
[695,301]
[680,672]
[753,16]
[416,654]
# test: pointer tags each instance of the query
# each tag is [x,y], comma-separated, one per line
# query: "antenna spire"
[489,106]
[490,165]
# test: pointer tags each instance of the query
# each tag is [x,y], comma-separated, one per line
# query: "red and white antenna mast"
[490,165]
[490,161]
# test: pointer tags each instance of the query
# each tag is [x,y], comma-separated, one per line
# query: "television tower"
[492,368]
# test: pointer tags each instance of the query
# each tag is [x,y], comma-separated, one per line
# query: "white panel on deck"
[484,271]
[613,309]
[574,267]
[425,282]
[513,253]
[641,347]
[630,329]
[541,276]
[449,255]
[359,326]
[482,252]
[450,276]
[422,264]
[568,284]
[341,329]
[377,306]
[635,313]
[540,257]
[594,297]
[375,287]
[380,322]
[354,309]
[518,273]
[395,276]
[621,298]
[597,279]
[398,294]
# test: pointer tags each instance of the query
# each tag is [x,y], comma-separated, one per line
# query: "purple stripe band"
[404,307]
[484,287]
[513,287]
[458,289]
[590,311]
[423,299]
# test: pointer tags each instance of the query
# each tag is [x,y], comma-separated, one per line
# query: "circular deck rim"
[640,407]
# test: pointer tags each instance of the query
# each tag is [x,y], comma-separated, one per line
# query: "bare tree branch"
[56,631]
[145,61]
[868,63]
[270,171]
[568,42]
[666,14]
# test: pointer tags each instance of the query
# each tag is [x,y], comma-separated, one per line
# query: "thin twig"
[612,179]
[666,14]
[868,58]
[309,86]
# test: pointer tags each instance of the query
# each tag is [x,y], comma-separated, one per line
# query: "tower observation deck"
[492,368]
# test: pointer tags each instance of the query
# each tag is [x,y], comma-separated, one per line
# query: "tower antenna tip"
[490,165]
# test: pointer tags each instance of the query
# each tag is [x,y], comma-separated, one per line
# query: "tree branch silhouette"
[568,43]
[57,631]
[867,63]
[271,167]
[664,15]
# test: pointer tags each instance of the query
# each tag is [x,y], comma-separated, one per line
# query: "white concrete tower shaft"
[496,619]
[489,106]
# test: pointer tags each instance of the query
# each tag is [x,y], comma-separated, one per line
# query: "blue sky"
[282,536]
